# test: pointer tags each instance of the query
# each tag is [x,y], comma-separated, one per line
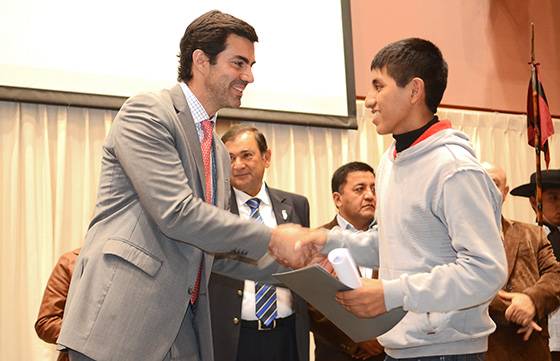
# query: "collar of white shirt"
[243,197]
[547,229]
[366,272]
[344,224]
[198,112]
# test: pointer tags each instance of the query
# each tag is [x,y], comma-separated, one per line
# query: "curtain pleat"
[50,159]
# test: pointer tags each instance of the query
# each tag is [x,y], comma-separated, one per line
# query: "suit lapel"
[511,244]
[186,120]
[233,208]
[283,212]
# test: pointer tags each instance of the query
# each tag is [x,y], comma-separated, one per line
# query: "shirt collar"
[549,228]
[243,197]
[344,224]
[198,112]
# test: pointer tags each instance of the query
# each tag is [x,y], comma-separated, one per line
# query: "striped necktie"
[266,308]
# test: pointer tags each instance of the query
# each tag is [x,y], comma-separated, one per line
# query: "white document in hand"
[345,267]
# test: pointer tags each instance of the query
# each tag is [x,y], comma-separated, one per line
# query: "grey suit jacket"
[226,293]
[132,282]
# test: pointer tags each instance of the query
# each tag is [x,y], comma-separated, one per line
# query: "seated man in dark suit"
[551,218]
[250,320]
[521,308]
[353,192]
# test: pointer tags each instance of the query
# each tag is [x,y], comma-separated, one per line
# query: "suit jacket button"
[235,321]
[240,293]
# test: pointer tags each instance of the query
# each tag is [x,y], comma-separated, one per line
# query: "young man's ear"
[417,90]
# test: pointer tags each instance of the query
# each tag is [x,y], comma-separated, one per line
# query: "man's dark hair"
[414,57]
[339,177]
[239,129]
[209,33]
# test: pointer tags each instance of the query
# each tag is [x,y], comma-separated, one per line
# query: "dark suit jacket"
[533,270]
[226,293]
[331,344]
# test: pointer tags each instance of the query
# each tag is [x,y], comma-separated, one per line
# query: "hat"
[550,179]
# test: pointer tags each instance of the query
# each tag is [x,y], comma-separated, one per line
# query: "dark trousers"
[328,352]
[278,344]
[467,357]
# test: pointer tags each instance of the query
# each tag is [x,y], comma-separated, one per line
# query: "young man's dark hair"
[238,129]
[340,175]
[414,57]
[209,33]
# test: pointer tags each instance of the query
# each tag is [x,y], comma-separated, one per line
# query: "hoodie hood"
[439,134]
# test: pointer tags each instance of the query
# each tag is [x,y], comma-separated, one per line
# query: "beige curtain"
[50,159]
[50,169]
[502,139]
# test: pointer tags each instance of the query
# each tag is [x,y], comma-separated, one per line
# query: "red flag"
[543,118]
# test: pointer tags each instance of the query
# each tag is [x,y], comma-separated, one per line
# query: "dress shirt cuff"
[393,293]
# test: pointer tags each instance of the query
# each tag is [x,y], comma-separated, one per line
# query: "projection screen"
[98,53]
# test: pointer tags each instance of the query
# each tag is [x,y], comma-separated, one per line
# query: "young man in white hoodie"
[438,242]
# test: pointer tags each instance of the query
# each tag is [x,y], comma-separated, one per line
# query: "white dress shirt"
[344,224]
[283,295]
[199,115]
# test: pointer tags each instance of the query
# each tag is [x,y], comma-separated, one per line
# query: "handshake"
[295,246]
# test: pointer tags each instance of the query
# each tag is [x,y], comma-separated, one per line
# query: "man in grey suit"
[238,332]
[139,288]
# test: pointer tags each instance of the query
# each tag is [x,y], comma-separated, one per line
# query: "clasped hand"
[520,310]
[295,246]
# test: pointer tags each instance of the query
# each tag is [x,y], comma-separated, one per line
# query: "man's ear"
[533,202]
[267,156]
[417,92]
[200,60]
[337,201]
